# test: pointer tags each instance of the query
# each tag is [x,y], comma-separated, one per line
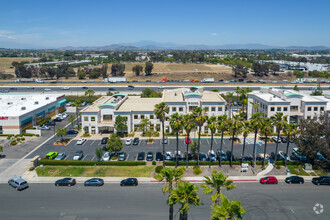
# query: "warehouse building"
[21,112]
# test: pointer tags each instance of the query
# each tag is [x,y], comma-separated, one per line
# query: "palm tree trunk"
[232,147]
[211,148]
[183,216]
[177,149]
[187,150]
[254,148]
[243,148]
[265,150]
[287,150]
[221,148]
[276,149]
[171,212]
[199,143]
[163,144]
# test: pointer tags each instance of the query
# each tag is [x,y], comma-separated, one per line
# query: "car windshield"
[121,155]
[106,155]
[149,155]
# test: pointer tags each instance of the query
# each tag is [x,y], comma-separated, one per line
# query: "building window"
[136,116]
[315,108]
[142,116]
[151,116]
[157,127]
[272,109]
[321,108]
[85,118]
[206,129]
[285,109]
[213,109]
[173,109]
[220,109]
[107,117]
[309,109]
[278,109]
[293,108]
[92,118]
[206,109]
[308,117]
[166,118]
[180,109]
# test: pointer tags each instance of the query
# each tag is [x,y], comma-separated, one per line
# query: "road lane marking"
[92,143]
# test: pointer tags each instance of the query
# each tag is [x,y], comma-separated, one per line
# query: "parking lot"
[90,146]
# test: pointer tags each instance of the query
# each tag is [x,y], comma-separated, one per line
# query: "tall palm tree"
[230,96]
[200,119]
[255,122]
[246,130]
[189,124]
[217,182]
[185,193]
[212,125]
[171,176]
[222,126]
[161,110]
[227,210]
[266,129]
[289,130]
[176,123]
[235,125]
[89,92]
[279,123]
[237,90]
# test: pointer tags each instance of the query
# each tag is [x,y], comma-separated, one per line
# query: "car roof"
[18,179]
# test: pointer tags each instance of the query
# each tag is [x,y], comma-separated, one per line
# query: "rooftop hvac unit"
[23,98]
[9,103]
[23,108]
[36,102]
[47,98]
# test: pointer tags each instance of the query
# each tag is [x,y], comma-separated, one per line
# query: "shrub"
[153,162]
[90,163]
[28,134]
[22,139]
[86,134]
[197,170]
[158,169]
[14,142]
[281,162]
[278,167]
[31,168]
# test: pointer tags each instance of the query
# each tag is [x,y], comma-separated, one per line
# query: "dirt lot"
[5,63]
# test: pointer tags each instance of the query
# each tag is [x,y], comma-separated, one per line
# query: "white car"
[65,88]
[282,155]
[65,115]
[44,127]
[128,141]
[106,156]
[81,141]
[168,155]
[47,89]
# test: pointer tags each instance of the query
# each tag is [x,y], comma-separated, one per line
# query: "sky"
[51,24]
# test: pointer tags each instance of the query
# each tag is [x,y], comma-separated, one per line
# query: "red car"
[188,140]
[269,180]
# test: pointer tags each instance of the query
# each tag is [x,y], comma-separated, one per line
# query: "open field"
[5,63]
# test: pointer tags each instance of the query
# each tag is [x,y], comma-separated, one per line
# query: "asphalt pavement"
[147,202]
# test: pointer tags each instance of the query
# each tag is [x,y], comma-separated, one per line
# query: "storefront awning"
[62,102]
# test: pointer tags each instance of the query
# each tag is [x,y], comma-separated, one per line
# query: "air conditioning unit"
[23,108]
[23,98]
[47,98]
[36,103]
[9,103]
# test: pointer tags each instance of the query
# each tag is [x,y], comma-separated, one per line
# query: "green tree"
[98,153]
[279,122]
[171,176]
[246,130]
[266,129]
[223,126]
[61,132]
[137,69]
[144,125]
[200,119]
[255,122]
[114,144]
[289,130]
[295,88]
[117,69]
[230,96]
[235,124]
[89,92]
[212,124]
[189,124]
[149,93]
[148,68]
[1,148]
[120,124]
[71,119]
[186,194]
[227,210]
[216,182]
[161,110]
[176,123]
[318,91]
[274,68]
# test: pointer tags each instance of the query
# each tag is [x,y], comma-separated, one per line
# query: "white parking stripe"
[208,143]
[92,143]
[93,157]
[67,157]
[99,143]
[215,141]
[84,157]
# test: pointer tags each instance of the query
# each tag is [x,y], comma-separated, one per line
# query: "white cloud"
[214,34]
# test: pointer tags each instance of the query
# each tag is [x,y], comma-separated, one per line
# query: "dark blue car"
[72,132]
[94,182]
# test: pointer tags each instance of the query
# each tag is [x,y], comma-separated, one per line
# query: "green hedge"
[281,163]
[89,163]
[204,163]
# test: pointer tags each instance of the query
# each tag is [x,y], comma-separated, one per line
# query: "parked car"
[65,115]
[202,157]
[322,180]
[177,154]
[211,156]
[81,141]
[276,140]
[294,179]
[94,182]
[60,156]
[66,182]
[129,182]
[84,103]
[72,132]
[165,140]
[269,180]
[168,155]
[106,156]
[150,156]
[140,156]
[44,127]
[78,155]
[188,140]
[136,141]
[284,139]
[223,155]
[128,141]
[283,155]
[122,156]
[50,122]
[185,156]
[159,156]
[298,155]
[320,156]
[229,154]
[18,183]
[104,140]
[51,155]
[57,118]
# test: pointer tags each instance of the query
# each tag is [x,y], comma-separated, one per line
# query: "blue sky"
[96,23]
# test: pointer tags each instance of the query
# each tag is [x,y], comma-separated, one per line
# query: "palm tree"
[246,130]
[200,118]
[61,132]
[230,96]
[279,123]
[266,129]
[289,130]
[212,125]
[71,119]
[185,193]
[171,176]
[176,123]
[255,122]
[188,124]
[217,182]
[235,125]
[227,210]
[89,92]
[160,110]
[237,90]
[222,126]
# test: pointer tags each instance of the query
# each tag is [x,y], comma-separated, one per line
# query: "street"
[146,201]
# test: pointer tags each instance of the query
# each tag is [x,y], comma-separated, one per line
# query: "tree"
[120,124]
[144,125]
[235,125]
[227,210]
[61,132]
[81,75]
[275,68]
[71,119]
[223,127]
[98,153]
[161,110]
[117,69]
[216,182]
[176,123]
[240,69]
[189,124]
[255,122]
[137,69]
[212,124]
[171,176]
[266,129]
[295,88]
[1,148]
[246,130]
[289,130]
[318,91]
[148,68]
[186,194]
[89,92]
[279,122]
[200,119]
[114,144]
[230,96]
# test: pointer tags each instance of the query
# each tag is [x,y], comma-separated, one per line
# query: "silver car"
[18,183]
